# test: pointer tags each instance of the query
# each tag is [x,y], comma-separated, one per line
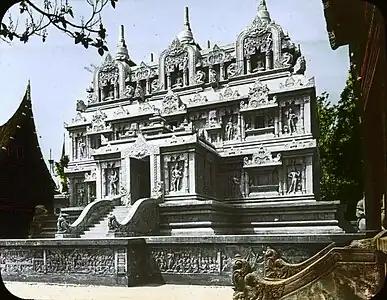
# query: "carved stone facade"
[234,124]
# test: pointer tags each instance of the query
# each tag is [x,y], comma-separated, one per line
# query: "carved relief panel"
[108,80]
[176,65]
[231,125]
[232,180]
[176,174]
[111,178]
[294,176]
[291,117]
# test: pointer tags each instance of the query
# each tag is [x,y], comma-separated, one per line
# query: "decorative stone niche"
[111,178]
[291,116]
[294,177]
[176,174]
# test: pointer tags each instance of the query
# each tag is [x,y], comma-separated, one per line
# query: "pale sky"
[56,67]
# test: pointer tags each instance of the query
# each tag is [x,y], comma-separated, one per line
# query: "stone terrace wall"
[137,261]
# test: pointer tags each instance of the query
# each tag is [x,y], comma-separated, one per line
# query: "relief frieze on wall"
[57,261]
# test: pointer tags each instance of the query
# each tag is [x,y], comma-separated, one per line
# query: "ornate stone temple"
[225,136]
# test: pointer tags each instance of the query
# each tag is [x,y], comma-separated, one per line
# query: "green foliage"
[59,168]
[60,15]
[340,149]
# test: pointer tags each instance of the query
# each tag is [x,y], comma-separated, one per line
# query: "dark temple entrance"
[139,178]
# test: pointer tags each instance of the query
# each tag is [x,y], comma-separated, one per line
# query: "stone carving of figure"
[129,91]
[62,224]
[360,214]
[213,77]
[177,175]
[82,148]
[179,82]
[81,195]
[112,222]
[139,92]
[294,176]
[113,178]
[287,60]
[81,106]
[300,66]
[232,70]
[291,120]
[155,85]
[230,130]
[200,77]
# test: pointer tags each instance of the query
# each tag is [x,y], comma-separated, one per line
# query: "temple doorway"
[139,178]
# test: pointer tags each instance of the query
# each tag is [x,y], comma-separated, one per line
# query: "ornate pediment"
[216,56]
[121,112]
[258,96]
[262,157]
[79,119]
[144,72]
[177,57]
[198,99]
[98,122]
[108,72]
[292,82]
[140,149]
[146,107]
[262,43]
[228,93]
[295,145]
[172,104]
[257,28]
[91,176]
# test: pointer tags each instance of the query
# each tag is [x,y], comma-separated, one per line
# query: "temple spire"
[122,50]
[263,13]
[186,36]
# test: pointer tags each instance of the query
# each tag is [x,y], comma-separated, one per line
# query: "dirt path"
[40,291]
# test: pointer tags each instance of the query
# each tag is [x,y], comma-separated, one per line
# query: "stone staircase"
[100,229]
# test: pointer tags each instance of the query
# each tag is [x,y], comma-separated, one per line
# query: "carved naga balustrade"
[356,271]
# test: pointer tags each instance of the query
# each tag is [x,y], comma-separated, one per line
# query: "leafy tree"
[340,149]
[60,15]
[60,170]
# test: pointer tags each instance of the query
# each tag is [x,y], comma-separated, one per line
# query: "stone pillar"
[276,131]
[280,181]
[128,184]
[98,182]
[147,87]
[166,176]
[302,117]
[306,119]
[185,83]
[280,121]
[243,128]
[248,64]
[169,82]
[268,60]
[116,92]
[191,168]
[309,175]
[186,175]
[239,132]
[153,179]
[285,177]
[221,73]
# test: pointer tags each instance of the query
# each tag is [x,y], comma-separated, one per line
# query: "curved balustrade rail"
[352,272]
[142,219]
[92,212]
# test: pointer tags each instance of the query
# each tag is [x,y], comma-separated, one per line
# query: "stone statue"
[129,91]
[230,130]
[156,85]
[81,195]
[37,221]
[286,60]
[360,214]
[200,77]
[81,106]
[300,66]
[294,177]
[112,222]
[232,70]
[178,83]
[176,176]
[113,179]
[62,224]
[213,77]
[291,120]
[139,92]
[82,148]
